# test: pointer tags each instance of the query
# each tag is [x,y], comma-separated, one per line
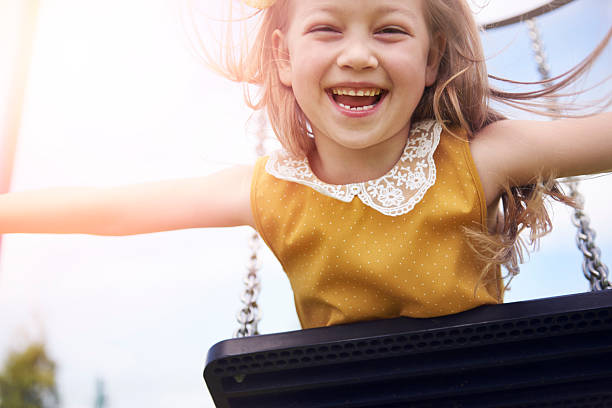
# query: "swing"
[545,353]
[553,352]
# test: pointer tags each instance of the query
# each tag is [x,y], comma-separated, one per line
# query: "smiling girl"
[384,201]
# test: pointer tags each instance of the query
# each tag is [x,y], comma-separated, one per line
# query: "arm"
[516,152]
[218,200]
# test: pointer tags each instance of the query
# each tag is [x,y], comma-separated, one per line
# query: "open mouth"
[357,99]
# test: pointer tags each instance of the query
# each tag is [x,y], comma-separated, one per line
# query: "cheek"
[411,77]
[308,77]
[310,60]
[410,59]
[307,99]
[306,70]
[300,91]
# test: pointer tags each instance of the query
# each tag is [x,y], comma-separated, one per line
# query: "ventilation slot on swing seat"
[553,352]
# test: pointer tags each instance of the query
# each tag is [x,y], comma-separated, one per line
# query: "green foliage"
[28,380]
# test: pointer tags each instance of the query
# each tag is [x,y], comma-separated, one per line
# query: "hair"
[459,97]
[252,63]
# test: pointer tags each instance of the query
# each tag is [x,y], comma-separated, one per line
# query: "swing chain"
[248,316]
[538,48]
[594,270]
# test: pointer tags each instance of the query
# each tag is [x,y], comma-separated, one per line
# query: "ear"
[436,51]
[281,57]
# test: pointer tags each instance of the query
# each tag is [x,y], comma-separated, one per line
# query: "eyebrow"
[392,10]
[332,9]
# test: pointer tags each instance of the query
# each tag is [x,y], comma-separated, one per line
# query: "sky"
[115,96]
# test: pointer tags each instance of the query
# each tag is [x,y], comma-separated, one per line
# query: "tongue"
[355,101]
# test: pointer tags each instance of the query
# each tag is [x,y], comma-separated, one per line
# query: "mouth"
[357,99]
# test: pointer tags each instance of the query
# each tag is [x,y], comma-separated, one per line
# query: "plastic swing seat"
[554,352]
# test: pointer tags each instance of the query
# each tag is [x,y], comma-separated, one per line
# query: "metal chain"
[594,270]
[538,49]
[249,315]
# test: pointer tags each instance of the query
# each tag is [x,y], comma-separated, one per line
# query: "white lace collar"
[395,193]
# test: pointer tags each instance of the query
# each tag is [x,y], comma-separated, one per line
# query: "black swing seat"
[554,352]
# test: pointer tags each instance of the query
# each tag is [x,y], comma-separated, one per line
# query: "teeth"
[357,92]
[357,108]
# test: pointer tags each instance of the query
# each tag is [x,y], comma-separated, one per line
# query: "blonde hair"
[460,96]
[251,62]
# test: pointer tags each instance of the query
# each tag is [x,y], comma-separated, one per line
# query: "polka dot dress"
[348,262]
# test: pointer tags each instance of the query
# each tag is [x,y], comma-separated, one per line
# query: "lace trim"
[395,193]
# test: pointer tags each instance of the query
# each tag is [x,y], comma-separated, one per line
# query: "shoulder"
[238,175]
[228,191]
[493,150]
[511,152]
[516,152]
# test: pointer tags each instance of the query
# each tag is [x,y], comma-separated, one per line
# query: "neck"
[335,164]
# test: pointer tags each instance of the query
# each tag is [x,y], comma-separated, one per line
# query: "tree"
[28,380]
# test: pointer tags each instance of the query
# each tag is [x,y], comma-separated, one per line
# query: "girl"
[384,202]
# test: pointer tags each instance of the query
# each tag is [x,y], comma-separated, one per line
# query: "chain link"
[593,269]
[538,49]
[248,316]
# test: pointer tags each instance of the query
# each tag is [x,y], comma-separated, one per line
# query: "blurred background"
[107,93]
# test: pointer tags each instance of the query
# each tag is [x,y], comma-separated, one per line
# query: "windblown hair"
[460,97]
[252,63]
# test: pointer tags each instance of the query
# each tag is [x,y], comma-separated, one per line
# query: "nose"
[356,54]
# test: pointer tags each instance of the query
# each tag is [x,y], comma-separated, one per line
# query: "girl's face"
[357,68]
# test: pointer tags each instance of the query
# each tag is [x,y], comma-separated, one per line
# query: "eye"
[392,30]
[323,29]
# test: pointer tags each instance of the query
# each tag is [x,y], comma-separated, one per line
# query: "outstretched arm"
[218,200]
[515,152]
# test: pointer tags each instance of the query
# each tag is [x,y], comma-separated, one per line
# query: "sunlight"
[115,96]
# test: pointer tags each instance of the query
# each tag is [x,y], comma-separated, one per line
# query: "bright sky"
[115,97]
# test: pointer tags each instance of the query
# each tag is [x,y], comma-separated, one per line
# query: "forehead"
[412,9]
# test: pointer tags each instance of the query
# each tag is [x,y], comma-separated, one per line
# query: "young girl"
[384,201]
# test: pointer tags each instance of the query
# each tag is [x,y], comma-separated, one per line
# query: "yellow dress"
[384,248]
